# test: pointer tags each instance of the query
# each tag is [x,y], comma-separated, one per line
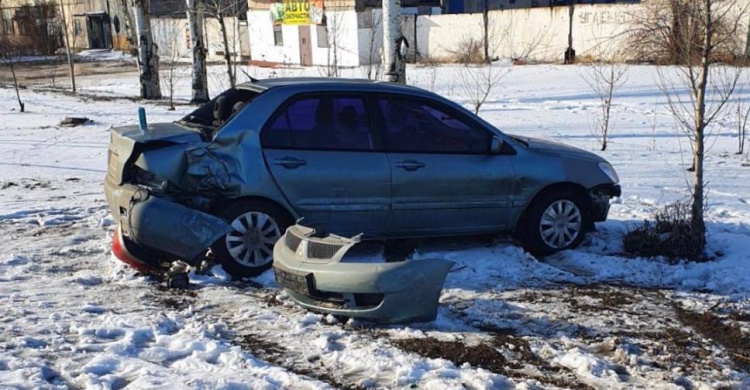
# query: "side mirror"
[497,145]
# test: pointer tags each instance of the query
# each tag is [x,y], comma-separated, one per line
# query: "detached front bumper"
[312,273]
[599,197]
[160,225]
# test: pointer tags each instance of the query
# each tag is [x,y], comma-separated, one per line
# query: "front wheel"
[248,249]
[556,221]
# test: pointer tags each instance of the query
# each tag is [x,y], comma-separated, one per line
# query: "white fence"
[539,34]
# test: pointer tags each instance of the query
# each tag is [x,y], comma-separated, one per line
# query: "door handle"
[289,162]
[410,165]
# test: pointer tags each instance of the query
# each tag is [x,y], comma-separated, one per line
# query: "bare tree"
[148,54]
[604,79]
[195,11]
[333,26]
[486,31]
[66,39]
[393,42]
[374,66]
[7,51]
[220,10]
[665,33]
[478,82]
[743,114]
[171,48]
[709,86]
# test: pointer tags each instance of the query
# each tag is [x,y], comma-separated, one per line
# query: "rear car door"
[445,179]
[322,153]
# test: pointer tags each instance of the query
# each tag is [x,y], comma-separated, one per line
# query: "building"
[343,33]
[29,27]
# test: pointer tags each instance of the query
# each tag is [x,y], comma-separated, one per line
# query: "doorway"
[305,47]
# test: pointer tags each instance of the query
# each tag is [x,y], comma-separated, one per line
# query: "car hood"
[550,147]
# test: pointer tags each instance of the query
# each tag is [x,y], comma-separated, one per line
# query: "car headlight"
[609,171]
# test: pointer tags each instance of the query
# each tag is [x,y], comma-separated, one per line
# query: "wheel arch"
[228,202]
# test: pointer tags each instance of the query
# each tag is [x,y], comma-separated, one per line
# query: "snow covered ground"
[72,317]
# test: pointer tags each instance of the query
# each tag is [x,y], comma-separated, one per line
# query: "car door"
[445,178]
[324,157]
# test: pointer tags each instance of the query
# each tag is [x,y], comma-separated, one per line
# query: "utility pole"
[570,53]
[71,63]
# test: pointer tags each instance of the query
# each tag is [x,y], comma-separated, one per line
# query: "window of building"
[76,27]
[7,17]
[322,33]
[322,122]
[278,37]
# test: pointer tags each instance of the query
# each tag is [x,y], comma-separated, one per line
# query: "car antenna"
[252,79]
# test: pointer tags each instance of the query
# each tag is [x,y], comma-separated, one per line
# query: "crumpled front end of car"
[314,274]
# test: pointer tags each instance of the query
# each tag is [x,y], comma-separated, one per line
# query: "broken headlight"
[151,180]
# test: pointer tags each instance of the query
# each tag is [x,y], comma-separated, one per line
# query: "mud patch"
[481,355]
[729,336]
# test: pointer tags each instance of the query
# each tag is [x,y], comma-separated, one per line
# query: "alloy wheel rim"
[561,224]
[250,243]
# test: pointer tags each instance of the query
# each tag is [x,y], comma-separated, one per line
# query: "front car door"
[445,178]
[322,153]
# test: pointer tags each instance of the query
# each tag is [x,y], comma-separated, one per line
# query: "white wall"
[342,28]
[171,35]
[539,34]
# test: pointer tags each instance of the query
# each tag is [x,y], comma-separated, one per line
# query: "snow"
[71,316]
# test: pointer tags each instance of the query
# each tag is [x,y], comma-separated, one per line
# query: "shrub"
[672,234]
[469,51]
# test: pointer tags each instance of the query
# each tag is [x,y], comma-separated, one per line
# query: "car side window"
[321,122]
[421,127]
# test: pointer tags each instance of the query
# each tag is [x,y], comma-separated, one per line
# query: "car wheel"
[556,221]
[248,249]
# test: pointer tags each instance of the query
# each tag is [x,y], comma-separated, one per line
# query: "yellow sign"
[298,12]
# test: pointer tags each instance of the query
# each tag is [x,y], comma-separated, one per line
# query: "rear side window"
[417,126]
[321,122]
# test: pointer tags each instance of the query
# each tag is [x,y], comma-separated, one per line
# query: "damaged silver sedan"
[348,156]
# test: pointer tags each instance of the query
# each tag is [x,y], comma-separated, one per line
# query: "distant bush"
[469,52]
[672,234]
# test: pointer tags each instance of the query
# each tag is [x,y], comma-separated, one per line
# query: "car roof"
[328,83]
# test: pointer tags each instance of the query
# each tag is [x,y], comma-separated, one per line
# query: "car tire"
[555,221]
[241,253]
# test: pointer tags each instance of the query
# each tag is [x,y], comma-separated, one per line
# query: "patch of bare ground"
[516,355]
[275,353]
[729,336]
[480,355]
[603,298]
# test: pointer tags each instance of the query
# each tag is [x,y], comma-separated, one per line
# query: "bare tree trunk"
[71,63]
[486,27]
[15,84]
[570,53]
[148,57]
[227,50]
[742,117]
[700,120]
[392,38]
[195,10]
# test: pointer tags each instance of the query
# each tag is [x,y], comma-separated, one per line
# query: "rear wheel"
[248,249]
[556,221]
